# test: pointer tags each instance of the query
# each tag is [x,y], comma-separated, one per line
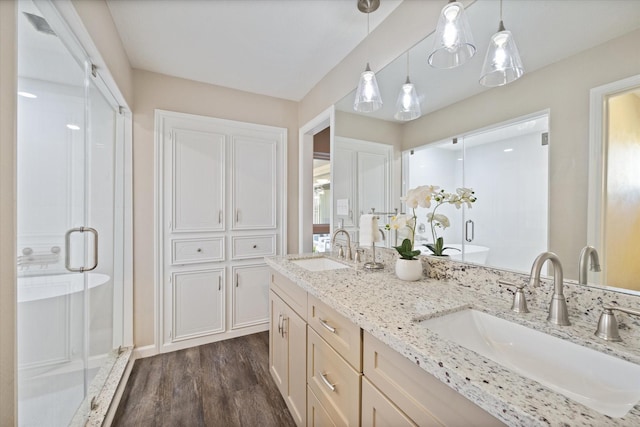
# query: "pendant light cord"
[407,65]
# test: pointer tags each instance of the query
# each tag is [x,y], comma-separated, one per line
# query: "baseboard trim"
[145,351]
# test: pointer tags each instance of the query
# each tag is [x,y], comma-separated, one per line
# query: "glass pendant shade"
[502,64]
[408,105]
[368,97]
[453,43]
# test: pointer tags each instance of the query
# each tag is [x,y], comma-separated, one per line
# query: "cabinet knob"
[199,250]
[255,246]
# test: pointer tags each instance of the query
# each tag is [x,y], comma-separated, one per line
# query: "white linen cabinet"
[220,210]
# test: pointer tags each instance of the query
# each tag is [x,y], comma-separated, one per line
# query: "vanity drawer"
[424,398]
[243,247]
[379,411]
[292,294]
[317,416]
[192,251]
[335,384]
[343,335]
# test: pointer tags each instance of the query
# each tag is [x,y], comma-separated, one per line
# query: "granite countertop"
[391,310]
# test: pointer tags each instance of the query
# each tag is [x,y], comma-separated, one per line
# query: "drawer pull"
[327,326]
[326,382]
[284,330]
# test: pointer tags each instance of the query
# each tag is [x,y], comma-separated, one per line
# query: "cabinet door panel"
[287,356]
[198,303]
[198,181]
[278,349]
[250,295]
[254,182]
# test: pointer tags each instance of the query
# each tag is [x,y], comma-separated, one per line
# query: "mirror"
[565,46]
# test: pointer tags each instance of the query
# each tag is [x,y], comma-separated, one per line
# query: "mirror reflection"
[563,45]
[508,167]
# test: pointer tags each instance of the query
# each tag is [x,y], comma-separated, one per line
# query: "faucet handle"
[519,304]
[340,250]
[608,324]
[358,256]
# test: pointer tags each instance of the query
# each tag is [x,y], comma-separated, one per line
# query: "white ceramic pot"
[408,269]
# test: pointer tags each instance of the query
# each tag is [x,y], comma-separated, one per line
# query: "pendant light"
[368,97]
[502,64]
[453,44]
[408,105]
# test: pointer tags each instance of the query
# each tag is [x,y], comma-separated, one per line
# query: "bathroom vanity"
[354,347]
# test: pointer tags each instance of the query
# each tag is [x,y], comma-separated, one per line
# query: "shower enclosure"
[70,216]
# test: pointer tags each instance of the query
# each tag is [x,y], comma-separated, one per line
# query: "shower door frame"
[78,42]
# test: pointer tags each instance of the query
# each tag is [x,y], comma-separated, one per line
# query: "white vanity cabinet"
[402,393]
[288,344]
[348,377]
[334,363]
[223,209]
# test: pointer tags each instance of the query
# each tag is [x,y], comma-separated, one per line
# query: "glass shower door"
[69,215]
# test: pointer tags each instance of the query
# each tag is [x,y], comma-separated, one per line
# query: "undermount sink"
[601,382]
[319,264]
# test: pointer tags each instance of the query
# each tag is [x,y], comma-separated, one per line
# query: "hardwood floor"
[220,384]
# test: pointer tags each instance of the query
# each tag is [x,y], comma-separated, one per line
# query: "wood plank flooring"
[220,384]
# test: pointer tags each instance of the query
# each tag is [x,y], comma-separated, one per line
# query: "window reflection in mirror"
[507,166]
[321,191]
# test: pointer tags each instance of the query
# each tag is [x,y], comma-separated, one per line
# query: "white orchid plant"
[398,223]
[423,196]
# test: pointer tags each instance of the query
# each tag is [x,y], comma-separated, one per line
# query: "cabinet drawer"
[317,416]
[424,398]
[334,382]
[291,293]
[343,335]
[253,246]
[193,251]
[379,411]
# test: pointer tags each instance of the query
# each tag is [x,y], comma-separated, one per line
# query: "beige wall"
[622,214]
[563,88]
[364,128]
[156,91]
[7,213]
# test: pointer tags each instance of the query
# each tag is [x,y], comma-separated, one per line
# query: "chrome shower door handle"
[67,241]
[466,231]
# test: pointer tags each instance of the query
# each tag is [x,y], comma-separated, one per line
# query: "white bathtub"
[33,288]
[473,253]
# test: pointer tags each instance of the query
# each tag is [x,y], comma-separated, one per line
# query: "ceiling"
[279,48]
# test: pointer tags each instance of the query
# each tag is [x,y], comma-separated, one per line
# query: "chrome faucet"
[588,253]
[333,240]
[558,312]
